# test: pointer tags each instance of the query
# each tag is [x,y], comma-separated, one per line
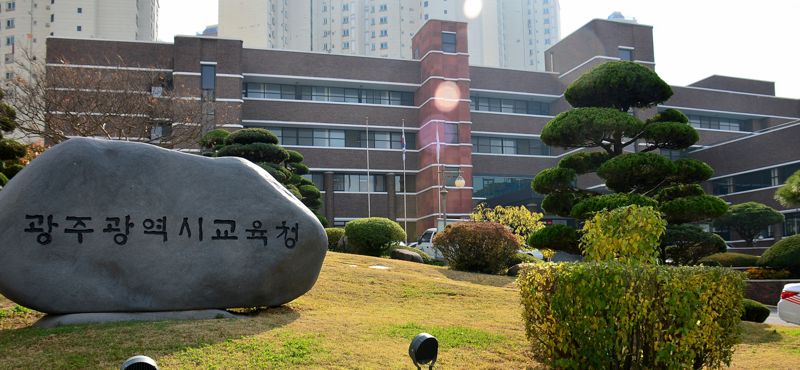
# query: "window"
[345,7]
[384,8]
[208,74]
[546,11]
[384,33]
[791,224]
[478,103]
[358,183]
[346,32]
[10,23]
[504,190]
[426,17]
[409,185]
[346,45]
[384,45]
[9,40]
[384,20]
[754,180]
[450,133]
[448,42]
[425,4]
[52,17]
[11,5]
[547,21]
[720,123]
[625,54]
[345,20]
[499,145]
[329,94]
[80,10]
[79,28]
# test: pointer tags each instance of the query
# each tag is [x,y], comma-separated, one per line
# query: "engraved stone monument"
[108,226]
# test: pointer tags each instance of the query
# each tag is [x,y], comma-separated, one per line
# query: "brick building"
[348,116]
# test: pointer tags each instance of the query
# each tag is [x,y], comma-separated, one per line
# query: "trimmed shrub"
[679,191]
[553,179]
[694,208]
[589,206]
[334,234]
[785,254]
[255,152]
[559,202]
[635,172]
[213,138]
[251,135]
[689,170]
[686,244]
[3,179]
[373,236]
[556,237]
[730,259]
[627,234]
[584,162]
[754,311]
[788,195]
[603,315]
[482,247]
[760,273]
[294,156]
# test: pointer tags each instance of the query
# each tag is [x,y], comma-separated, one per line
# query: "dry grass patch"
[355,317]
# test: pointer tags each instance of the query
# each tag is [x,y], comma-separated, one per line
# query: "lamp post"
[459,183]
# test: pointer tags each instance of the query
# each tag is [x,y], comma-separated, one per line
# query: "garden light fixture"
[423,350]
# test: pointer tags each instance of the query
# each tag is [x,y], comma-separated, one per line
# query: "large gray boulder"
[108,226]
[406,255]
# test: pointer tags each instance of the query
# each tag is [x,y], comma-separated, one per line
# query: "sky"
[693,39]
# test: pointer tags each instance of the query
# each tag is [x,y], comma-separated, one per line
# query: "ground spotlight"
[139,363]
[423,350]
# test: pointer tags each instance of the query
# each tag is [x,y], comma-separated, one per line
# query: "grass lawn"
[355,317]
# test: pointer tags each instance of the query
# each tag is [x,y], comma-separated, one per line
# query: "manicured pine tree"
[10,151]
[261,147]
[601,122]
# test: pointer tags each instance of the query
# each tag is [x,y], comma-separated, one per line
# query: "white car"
[789,305]
[425,243]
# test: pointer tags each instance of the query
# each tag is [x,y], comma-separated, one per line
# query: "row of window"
[505,190]
[359,183]
[338,138]
[720,123]
[496,145]
[754,180]
[483,104]
[325,93]
[791,226]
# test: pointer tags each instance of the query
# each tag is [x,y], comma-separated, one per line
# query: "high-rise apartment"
[507,33]
[25,24]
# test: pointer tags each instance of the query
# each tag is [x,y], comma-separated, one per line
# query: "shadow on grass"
[501,281]
[101,345]
[754,333]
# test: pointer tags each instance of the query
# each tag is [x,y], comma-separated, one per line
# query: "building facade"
[26,24]
[389,137]
[508,33]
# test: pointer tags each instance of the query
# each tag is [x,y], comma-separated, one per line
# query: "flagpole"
[369,180]
[405,184]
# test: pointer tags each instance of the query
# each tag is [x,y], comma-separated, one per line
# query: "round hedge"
[730,259]
[694,208]
[373,236]
[620,85]
[754,311]
[689,170]
[251,135]
[255,152]
[679,191]
[587,127]
[484,247]
[584,162]
[785,254]
[670,135]
[589,206]
[213,138]
[295,156]
[559,203]
[553,179]
[788,195]
[636,171]
[556,237]
[669,115]
[334,234]
[686,244]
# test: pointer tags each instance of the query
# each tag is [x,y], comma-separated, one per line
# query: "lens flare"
[447,96]
[473,8]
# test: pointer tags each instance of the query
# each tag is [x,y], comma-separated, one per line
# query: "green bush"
[686,244]
[693,208]
[556,237]
[729,259]
[785,254]
[627,234]
[559,202]
[373,236]
[679,191]
[251,135]
[589,206]
[553,179]
[255,152]
[639,172]
[609,315]
[754,311]
[482,247]
[334,234]
[3,179]
[213,138]
[584,162]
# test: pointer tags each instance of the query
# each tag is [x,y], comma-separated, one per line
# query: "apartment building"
[26,24]
[389,137]
[508,33]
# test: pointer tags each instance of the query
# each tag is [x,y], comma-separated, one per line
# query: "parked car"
[789,305]
[425,243]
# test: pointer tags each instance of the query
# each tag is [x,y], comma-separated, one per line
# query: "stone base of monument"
[52,321]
